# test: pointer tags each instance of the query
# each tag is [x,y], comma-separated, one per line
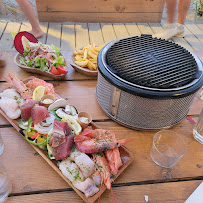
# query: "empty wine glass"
[5,184]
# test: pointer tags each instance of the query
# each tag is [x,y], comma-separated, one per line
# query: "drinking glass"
[5,185]
[198,129]
[168,147]
[1,145]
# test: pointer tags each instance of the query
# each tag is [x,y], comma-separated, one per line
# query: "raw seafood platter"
[86,157]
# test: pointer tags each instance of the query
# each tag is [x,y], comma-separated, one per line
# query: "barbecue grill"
[147,83]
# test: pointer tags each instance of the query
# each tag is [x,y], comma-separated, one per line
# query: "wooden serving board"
[126,155]
[37,71]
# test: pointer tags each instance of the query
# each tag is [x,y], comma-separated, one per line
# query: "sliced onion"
[43,130]
[49,120]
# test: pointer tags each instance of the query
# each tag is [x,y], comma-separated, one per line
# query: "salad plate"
[37,71]
[126,155]
[84,71]
[35,57]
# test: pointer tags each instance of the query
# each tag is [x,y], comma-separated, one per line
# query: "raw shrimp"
[103,167]
[89,146]
[32,84]
[19,86]
[96,177]
[113,159]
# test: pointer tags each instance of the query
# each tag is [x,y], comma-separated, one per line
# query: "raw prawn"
[103,167]
[19,86]
[113,159]
[32,84]
[93,141]
[89,146]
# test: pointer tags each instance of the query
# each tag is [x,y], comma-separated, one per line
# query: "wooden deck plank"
[82,35]
[68,37]
[120,30]
[25,26]
[167,192]
[108,32]
[156,27]
[132,29]
[195,30]
[44,27]
[3,25]
[192,40]
[54,34]
[6,43]
[95,34]
[145,28]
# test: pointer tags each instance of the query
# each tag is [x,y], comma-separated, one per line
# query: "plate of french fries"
[85,60]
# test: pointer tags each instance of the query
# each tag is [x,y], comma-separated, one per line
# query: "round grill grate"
[151,62]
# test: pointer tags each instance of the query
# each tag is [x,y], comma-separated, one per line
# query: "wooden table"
[34,180]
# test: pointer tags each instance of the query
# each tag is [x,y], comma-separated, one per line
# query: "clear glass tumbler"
[5,185]
[1,144]
[198,129]
[168,147]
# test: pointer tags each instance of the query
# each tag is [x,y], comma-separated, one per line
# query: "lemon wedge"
[25,42]
[38,93]
[13,34]
[72,123]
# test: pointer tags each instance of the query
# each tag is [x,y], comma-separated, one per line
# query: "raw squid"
[88,187]
[9,103]
[10,107]
[10,93]
[71,170]
[73,173]
[84,162]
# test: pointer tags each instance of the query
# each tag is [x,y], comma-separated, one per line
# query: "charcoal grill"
[147,83]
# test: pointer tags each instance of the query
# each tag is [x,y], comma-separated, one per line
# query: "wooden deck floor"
[69,36]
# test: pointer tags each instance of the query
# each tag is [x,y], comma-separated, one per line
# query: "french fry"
[92,55]
[92,65]
[94,52]
[80,51]
[81,63]
[93,61]
[78,58]
[85,54]
[99,48]
[89,65]
[87,57]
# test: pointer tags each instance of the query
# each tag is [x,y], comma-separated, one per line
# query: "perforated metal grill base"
[141,113]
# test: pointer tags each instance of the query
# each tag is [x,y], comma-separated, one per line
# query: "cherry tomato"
[62,69]
[54,71]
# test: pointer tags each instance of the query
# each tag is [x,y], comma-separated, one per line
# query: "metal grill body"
[142,113]
[147,83]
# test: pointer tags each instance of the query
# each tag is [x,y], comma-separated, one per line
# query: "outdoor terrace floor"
[70,36]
